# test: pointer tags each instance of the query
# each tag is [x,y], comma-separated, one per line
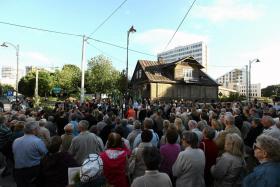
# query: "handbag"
[91,168]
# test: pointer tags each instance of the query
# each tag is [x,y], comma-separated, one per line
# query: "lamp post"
[83,70]
[6,44]
[250,62]
[131,30]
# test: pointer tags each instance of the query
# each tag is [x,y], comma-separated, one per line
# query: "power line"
[40,29]
[180,24]
[121,47]
[98,27]
[105,53]
[77,35]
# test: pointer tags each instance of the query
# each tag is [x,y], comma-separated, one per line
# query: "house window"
[140,74]
[187,73]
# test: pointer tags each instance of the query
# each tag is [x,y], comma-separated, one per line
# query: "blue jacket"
[264,175]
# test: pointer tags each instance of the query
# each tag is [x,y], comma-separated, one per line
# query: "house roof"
[153,70]
[157,71]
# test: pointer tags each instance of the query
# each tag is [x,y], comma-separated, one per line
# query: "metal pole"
[17,54]
[247,85]
[83,71]
[250,80]
[127,43]
[36,83]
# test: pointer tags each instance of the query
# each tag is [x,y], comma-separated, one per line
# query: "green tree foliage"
[26,84]
[4,88]
[101,76]
[232,97]
[269,91]
[69,78]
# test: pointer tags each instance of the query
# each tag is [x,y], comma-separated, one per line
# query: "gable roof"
[153,70]
[189,60]
[157,71]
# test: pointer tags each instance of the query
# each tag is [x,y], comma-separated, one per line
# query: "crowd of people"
[150,144]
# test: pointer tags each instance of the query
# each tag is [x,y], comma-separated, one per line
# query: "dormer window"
[139,73]
[188,74]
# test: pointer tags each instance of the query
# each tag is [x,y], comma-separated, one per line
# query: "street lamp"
[6,44]
[250,62]
[131,30]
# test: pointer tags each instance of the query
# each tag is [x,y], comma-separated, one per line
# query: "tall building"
[8,75]
[197,50]
[236,79]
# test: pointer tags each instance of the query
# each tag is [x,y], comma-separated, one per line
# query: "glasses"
[256,147]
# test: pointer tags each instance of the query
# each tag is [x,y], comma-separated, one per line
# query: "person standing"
[189,166]
[266,150]
[152,177]
[28,151]
[85,143]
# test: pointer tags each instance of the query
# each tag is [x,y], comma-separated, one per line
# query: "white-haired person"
[266,150]
[193,126]
[190,163]
[67,137]
[228,170]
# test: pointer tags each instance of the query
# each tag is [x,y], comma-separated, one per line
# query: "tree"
[272,90]
[26,84]
[4,88]
[69,78]
[101,76]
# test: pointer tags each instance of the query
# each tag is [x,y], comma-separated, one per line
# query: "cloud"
[36,57]
[264,72]
[156,39]
[228,10]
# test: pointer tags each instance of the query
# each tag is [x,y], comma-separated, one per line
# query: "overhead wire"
[77,35]
[99,26]
[40,29]
[180,25]
[121,47]
[113,57]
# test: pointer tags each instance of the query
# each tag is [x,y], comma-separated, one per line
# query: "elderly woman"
[189,166]
[266,150]
[115,161]
[229,167]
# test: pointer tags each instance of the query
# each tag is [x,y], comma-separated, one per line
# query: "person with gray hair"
[193,127]
[43,132]
[190,163]
[85,143]
[132,135]
[270,127]
[28,151]
[230,128]
[266,150]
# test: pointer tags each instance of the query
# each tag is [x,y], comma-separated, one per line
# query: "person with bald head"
[85,143]
[115,160]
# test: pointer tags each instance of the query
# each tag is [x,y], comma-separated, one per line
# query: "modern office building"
[8,75]
[237,80]
[197,50]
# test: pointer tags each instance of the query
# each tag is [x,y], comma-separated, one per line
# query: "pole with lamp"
[6,44]
[131,30]
[250,62]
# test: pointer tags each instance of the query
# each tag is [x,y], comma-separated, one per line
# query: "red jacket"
[114,166]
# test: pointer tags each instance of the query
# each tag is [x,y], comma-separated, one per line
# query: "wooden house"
[182,79]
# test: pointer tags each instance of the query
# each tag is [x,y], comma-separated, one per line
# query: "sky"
[235,31]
